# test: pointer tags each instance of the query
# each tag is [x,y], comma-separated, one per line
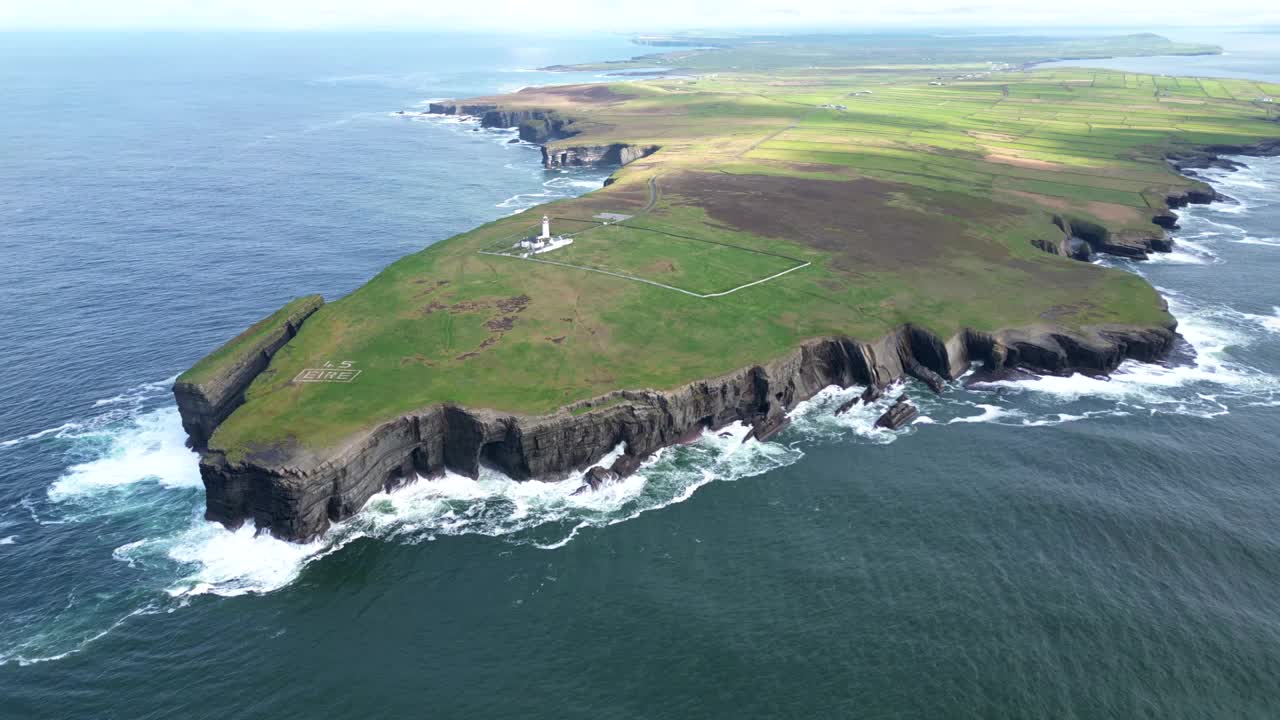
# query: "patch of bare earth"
[1107,212]
[501,324]
[662,266]
[1026,162]
[991,136]
[563,97]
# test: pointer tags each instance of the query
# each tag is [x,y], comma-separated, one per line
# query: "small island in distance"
[788,213]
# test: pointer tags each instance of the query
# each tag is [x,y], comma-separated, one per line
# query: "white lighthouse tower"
[544,242]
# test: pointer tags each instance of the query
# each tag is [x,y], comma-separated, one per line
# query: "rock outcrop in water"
[205,404]
[596,478]
[900,414]
[296,494]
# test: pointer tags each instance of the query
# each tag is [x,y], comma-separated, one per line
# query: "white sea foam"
[1185,252]
[213,560]
[1204,386]
[59,431]
[989,413]
[815,418]
[152,448]
[20,654]
[1250,240]
[1270,323]
[1232,230]
[569,185]
[8,540]
[236,562]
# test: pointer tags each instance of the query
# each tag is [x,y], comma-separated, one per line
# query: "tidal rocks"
[596,478]
[868,396]
[626,464]
[205,399]
[935,381]
[901,413]
[765,428]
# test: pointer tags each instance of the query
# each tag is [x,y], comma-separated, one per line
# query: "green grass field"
[917,203]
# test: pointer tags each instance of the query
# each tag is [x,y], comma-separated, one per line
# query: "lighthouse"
[544,242]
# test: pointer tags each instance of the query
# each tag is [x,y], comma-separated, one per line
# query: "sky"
[622,15]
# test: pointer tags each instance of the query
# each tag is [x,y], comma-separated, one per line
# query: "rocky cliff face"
[296,495]
[204,405]
[1081,238]
[535,126]
[595,155]
[542,127]
[1210,156]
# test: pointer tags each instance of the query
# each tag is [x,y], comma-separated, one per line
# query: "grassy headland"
[915,187]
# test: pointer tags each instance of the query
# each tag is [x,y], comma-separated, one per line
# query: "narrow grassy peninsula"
[785,214]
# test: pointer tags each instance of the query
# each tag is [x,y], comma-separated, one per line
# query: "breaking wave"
[570,183]
[152,448]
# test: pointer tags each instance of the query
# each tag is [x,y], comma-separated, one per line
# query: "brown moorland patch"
[857,221]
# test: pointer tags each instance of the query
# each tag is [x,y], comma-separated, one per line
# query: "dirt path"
[653,195]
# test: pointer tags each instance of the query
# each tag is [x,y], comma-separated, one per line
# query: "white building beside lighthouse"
[545,242]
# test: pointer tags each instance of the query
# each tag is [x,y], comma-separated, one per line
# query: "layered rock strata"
[594,155]
[205,404]
[296,494]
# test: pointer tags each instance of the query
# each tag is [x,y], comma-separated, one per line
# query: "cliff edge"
[214,387]
[297,494]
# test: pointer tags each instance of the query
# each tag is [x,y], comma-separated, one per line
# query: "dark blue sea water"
[1065,547]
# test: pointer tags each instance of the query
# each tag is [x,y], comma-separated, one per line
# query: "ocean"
[1060,547]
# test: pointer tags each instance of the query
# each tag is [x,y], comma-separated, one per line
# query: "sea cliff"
[210,391]
[299,496]
[545,128]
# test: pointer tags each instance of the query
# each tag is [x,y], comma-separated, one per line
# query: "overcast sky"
[621,16]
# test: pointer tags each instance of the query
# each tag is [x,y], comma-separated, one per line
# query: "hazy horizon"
[749,16]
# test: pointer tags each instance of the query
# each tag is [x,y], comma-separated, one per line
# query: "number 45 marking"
[343,365]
